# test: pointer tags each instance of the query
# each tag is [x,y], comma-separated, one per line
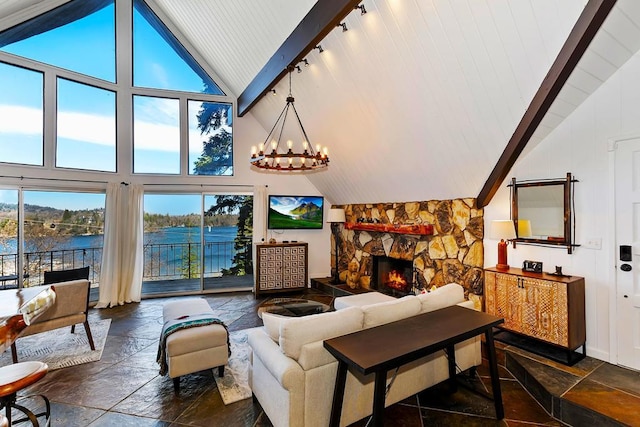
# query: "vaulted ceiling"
[418,99]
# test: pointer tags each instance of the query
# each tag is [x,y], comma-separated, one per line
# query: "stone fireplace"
[440,242]
[392,276]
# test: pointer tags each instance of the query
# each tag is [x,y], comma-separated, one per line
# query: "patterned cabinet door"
[270,259]
[294,267]
[544,309]
[507,300]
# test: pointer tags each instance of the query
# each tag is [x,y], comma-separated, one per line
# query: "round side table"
[16,377]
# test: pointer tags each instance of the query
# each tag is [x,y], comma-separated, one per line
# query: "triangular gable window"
[49,38]
[160,61]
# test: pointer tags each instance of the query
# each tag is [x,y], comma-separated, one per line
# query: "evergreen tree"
[227,204]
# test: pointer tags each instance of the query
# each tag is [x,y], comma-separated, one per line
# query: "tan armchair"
[71,307]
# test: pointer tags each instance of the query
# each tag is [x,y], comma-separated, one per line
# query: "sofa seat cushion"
[295,332]
[442,297]
[360,300]
[390,311]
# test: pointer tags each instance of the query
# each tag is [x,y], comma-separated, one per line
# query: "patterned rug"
[60,348]
[234,386]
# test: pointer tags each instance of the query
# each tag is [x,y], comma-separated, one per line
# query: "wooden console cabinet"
[539,305]
[281,267]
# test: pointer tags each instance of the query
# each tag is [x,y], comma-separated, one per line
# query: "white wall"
[580,146]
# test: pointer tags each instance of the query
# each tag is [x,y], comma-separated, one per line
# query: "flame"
[396,280]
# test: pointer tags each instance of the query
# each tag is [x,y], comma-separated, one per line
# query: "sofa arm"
[467,304]
[284,369]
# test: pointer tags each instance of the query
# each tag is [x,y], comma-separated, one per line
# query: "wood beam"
[323,17]
[585,29]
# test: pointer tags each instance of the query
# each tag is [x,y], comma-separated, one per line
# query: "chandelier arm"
[311,150]
[284,120]
[275,124]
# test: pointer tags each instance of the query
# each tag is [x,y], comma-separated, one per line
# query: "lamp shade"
[524,228]
[502,229]
[336,215]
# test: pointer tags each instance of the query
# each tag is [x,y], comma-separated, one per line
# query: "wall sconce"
[502,230]
[344,26]
[320,49]
[362,9]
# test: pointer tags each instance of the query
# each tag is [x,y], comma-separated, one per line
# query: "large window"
[177,110]
[86,127]
[21,115]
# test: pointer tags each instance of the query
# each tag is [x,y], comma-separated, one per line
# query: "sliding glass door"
[196,242]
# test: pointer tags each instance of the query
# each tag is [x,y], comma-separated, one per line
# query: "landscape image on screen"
[286,212]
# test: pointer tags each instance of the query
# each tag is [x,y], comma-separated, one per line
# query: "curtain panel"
[122,255]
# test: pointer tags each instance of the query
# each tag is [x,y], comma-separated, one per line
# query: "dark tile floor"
[124,388]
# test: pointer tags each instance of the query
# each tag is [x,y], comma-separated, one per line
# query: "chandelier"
[274,156]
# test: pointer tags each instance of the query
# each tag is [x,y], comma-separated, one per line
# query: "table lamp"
[504,230]
[524,228]
[336,217]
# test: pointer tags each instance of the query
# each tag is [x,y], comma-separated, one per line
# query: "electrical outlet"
[593,243]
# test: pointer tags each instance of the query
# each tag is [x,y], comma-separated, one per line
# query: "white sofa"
[293,376]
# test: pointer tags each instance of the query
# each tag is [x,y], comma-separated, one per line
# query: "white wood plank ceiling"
[418,99]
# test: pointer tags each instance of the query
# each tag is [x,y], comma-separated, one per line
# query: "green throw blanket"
[183,322]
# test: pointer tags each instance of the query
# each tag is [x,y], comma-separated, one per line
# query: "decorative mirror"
[541,212]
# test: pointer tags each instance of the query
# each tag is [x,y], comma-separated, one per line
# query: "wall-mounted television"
[295,212]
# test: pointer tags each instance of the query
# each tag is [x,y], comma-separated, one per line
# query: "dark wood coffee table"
[385,347]
[293,307]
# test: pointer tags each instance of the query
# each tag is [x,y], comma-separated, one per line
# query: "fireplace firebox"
[392,276]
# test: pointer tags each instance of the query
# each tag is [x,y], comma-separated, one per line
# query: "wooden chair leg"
[89,336]
[14,352]
[221,371]
[176,385]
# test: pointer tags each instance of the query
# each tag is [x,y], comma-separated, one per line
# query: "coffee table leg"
[378,398]
[338,395]
[495,376]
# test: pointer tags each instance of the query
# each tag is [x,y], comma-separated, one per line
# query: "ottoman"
[194,348]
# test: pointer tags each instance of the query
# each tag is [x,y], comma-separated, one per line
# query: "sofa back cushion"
[442,297]
[390,311]
[298,331]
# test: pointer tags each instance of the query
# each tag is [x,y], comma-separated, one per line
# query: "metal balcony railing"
[161,262]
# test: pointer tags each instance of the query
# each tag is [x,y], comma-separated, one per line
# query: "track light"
[306,63]
[298,68]
[344,26]
[362,9]
[320,49]
[273,92]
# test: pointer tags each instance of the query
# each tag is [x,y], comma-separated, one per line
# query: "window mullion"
[50,119]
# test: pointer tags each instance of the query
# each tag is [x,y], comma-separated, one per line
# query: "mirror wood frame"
[567,239]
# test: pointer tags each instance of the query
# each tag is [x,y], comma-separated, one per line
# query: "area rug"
[234,386]
[60,348]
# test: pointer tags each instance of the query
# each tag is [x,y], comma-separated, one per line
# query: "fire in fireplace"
[392,276]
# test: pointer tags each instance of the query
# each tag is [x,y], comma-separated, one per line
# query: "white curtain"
[259,218]
[122,255]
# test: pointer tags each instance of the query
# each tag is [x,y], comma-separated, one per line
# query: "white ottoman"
[196,348]
[360,300]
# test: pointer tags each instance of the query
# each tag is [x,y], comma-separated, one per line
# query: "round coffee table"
[292,307]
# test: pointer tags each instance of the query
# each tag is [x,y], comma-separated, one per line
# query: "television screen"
[295,212]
